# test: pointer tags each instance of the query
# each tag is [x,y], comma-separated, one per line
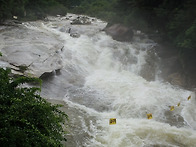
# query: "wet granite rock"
[119,32]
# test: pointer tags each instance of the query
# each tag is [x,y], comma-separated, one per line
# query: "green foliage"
[104,9]
[189,40]
[136,19]
[26,118]
[36,9]
[56,9]
[8,9]
[23,68]
[31,9]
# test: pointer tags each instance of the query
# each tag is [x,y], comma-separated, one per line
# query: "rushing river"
[101,78]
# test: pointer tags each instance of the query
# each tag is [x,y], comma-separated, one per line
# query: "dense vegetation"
[31,9]
[26,119]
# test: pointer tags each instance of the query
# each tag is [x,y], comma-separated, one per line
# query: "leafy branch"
[27,119]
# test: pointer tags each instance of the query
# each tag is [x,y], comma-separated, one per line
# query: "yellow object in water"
[189,98]
[171,108]
[149,115]
[112,121]
[178,104]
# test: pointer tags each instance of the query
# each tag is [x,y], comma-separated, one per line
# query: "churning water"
[102,78]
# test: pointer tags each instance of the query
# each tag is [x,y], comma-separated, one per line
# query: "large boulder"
[177,79]
[29,52]
[119,32]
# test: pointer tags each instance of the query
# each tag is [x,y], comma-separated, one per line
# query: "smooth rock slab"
[33,48]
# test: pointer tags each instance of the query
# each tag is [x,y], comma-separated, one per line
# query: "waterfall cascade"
[98,78]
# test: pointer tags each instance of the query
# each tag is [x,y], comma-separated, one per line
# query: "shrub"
[27,119]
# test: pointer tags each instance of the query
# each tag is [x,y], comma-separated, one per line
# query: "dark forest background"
[173,20]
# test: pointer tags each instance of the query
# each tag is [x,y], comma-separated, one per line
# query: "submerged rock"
[75,35]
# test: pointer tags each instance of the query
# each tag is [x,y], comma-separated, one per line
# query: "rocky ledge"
[29,51]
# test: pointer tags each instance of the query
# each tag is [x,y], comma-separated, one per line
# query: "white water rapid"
[100,78]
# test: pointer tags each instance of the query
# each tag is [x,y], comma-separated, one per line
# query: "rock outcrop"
[30,52]
[81,21]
